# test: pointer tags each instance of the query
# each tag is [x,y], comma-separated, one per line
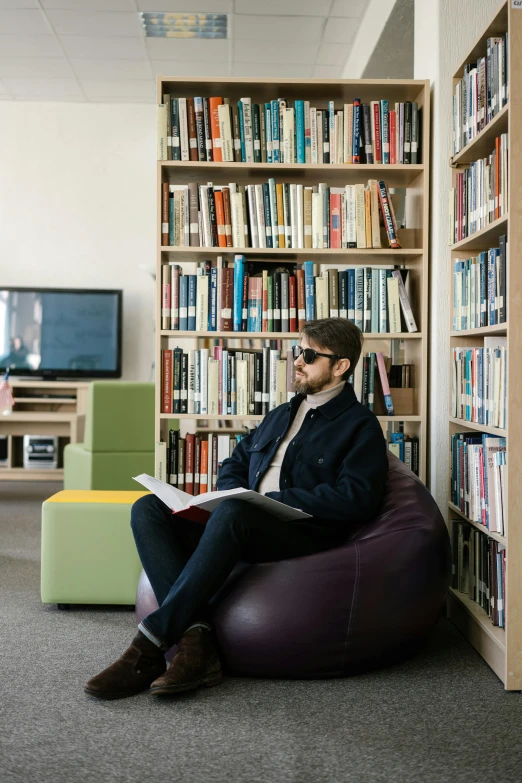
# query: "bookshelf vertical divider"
[412,348]
[501,649]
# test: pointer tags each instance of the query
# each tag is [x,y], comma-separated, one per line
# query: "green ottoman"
[88,550]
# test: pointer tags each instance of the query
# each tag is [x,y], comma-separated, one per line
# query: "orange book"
[220,219]
[214,127]
[203,475]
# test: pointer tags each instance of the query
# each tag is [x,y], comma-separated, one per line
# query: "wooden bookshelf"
[502,649]
[414,238]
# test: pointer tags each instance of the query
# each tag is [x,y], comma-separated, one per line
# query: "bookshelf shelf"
[483,331]
[490,533]
[402,348]
[472,425]
[484,238]
[500,648]
[481,145]
[285,335]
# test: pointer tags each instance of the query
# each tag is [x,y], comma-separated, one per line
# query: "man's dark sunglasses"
[309,354]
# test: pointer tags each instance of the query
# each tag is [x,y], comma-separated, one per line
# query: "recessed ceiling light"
[163,25]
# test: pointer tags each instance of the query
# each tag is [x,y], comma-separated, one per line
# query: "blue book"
[268,132]
[483,289]
[237,311]
[241,130]
[308,267]
[492,283]
[351,295]
[356,130]
[268,221]
[276,158]
[212,310]
[385,131]
[398,437]
[192,290]
[300,132]
[183,302]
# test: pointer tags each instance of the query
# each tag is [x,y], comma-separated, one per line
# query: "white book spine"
[360,215]
[161,131]
[252,210]
[203,353]
[183,129]
[300,217]
[347,152]
[203,200]
[202,302]
[383,303]
[242,387]
[238,235]
[213,387]
[190,393]
[405,303]
[281,395]
[275,355]
[273,212]
[317,220]
[260,215]
[225,130]
[293,214]
[289,135]
[321,297]
[394,315]
[160,460]
[247,124]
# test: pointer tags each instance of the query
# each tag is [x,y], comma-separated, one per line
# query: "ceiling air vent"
[163,25]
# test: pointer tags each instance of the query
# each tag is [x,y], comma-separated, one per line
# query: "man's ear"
[342,366]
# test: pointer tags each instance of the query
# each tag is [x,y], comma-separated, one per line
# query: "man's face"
[315,377]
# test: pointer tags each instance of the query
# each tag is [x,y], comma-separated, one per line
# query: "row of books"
[406,448]
[481,93]
[478,484]
[479,289]
[479,569]
[216,382]
[238,298]
[479,383]
[193,462]
[285,131]
[480,195]
[278,215]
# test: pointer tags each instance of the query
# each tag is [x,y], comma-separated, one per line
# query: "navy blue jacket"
[335,468]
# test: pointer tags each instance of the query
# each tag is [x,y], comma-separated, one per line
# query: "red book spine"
[203,481]
[192,132]
[228,216]
[227,294]
[214,127]
[189,463]
[264,309]
[197,462]
[292,299]
[301,308]
[377,125]
[194,514]
[335,220]
[166,381]
[393,140]
[165,214]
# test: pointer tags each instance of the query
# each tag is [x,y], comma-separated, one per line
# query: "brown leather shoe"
[196,663]
[140,664]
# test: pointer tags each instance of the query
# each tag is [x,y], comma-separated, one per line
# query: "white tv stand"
[42,408]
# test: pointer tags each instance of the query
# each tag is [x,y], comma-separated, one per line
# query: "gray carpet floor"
[442,716]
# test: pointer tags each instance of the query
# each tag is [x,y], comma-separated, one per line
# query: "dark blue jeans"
[187,563]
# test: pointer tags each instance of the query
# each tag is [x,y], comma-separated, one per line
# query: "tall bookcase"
[502,649]
[412,348]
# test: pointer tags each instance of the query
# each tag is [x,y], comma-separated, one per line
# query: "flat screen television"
[60,333]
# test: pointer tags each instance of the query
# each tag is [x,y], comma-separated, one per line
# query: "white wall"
[445,32]
[78,206]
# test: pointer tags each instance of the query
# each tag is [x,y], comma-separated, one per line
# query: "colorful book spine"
[237,310]
[300,131]
[356,135]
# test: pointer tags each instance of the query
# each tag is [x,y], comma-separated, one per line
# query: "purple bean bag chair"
[366,604]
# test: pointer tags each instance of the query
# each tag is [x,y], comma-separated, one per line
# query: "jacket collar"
[330,409]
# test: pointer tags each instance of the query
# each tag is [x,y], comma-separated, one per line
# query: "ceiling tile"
[24,22]
[95,23]
[19,4]
[54,89]
[203,6]
[111,69]
[185,68]
[271,70]
[349,8]
[117,87]
[35,67]
[341,30]
[278,28]
[182,48]
[29,46]
[94,47]
[332,54]
[327,71]
[284,7]
[90,5]
[260,51]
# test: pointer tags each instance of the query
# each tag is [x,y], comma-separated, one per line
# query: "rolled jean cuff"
[154,639]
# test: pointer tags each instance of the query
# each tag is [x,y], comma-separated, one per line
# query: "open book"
[198,508]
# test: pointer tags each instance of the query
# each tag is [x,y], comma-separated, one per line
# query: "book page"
[174,498]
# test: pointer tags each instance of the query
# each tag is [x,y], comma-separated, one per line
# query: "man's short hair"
[339,336]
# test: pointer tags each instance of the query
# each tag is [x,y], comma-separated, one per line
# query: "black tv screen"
[61,333]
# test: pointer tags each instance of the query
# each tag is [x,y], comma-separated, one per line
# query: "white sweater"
[270,481]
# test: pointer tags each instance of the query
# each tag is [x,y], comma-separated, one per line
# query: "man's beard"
[306,386]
